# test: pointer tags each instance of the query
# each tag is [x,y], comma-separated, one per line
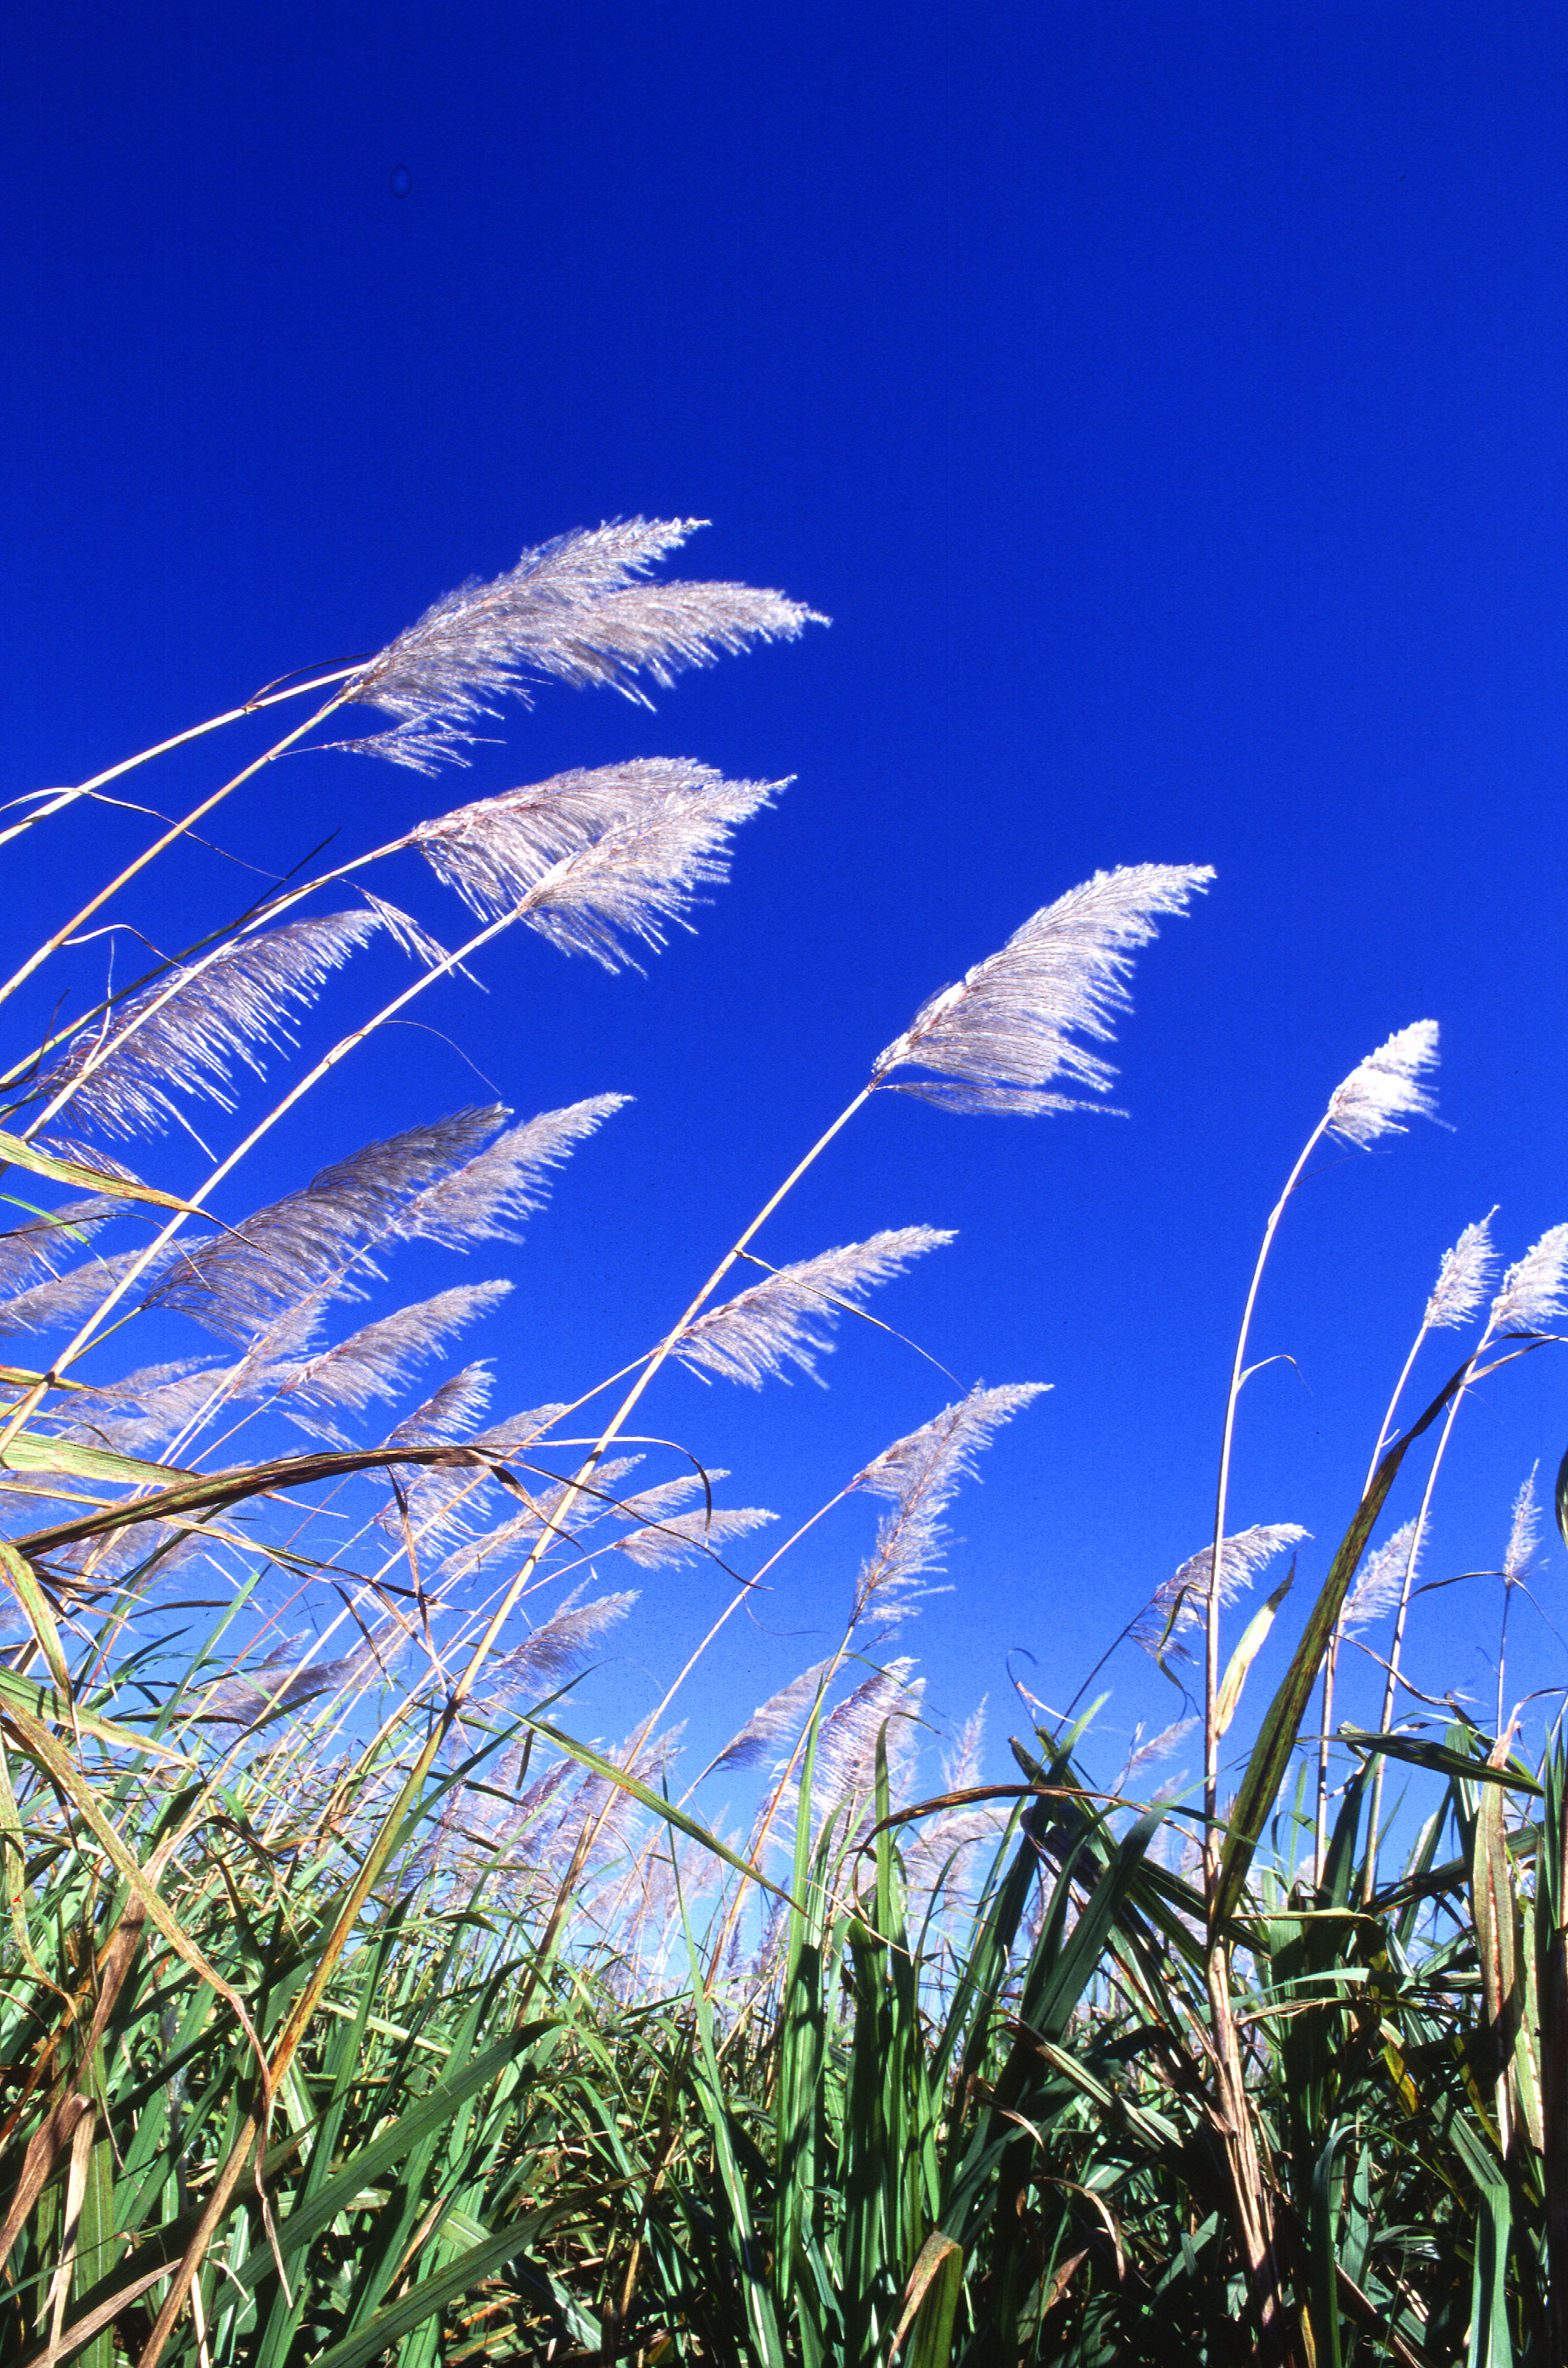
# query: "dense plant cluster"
[354,2008]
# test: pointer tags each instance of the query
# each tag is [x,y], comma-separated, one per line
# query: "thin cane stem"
[1211,1623]
[149,855]
[61,798]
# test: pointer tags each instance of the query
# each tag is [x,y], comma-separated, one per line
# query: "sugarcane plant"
[358,2008]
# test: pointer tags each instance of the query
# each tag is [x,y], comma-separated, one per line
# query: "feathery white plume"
[46,1242]
[785,1319]
[142,1548]
[285,1341]
[241,1700]
[448,1413]
[1519,1562]
[448,1503]
[421,744]
[1386,1089]
[165,1414]
[138,1388]
[495,849]
[576,609]
[776,1716]
[1182,1602]
[591,859]
[404,931]
[1535,1289]
[936,1849]
[642,873]
[687,1537]
[562,1806]
[150,1406]
[486,1199]
[241,1282]
[597,1500]
[69,1296]
[540,1519]
[846,1742]
[556,1778]
[511,1840]
[921,1474]
[373,1363]
[521,1430]
[182,1035]
[665,1496]
[669,1877]
[1008,1028]
[1158,1746]
[1464,1277]
[1380,1581]
[554,1651]
[516,1533]
[617,1808]
[930,1462]
[281,1682]
[961,1762]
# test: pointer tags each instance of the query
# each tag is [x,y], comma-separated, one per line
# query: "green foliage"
[1000,2150]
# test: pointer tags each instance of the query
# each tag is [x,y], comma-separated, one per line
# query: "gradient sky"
[1166,402]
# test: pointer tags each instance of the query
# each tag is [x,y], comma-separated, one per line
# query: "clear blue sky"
[1167,404]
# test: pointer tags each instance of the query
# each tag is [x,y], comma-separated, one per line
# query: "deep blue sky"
[1166,402]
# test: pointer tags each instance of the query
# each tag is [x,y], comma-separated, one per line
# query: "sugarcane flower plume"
[595,861]
[1386,1089]
[1181,1602]
[487,1197]
[374,1363]
[181,1036]
[265,1269]
[1520,1563]
[686,1538]
[40,1245]
[786,1319]
[667,1496]
[456,1181]
[446,1505]
[579,609]
[1382,1579]
[450,1413]
[66,1298]
[1013,1023]
[890,1700]
[555,1649]
[285,1682]
[922,1473]
[938,1849]
[494,851]
[962,1761]
[1534,1291]
[149,1407]
[780,1714]
[541,1518]
[1465,1277]
[1145,1751]
[422,743]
